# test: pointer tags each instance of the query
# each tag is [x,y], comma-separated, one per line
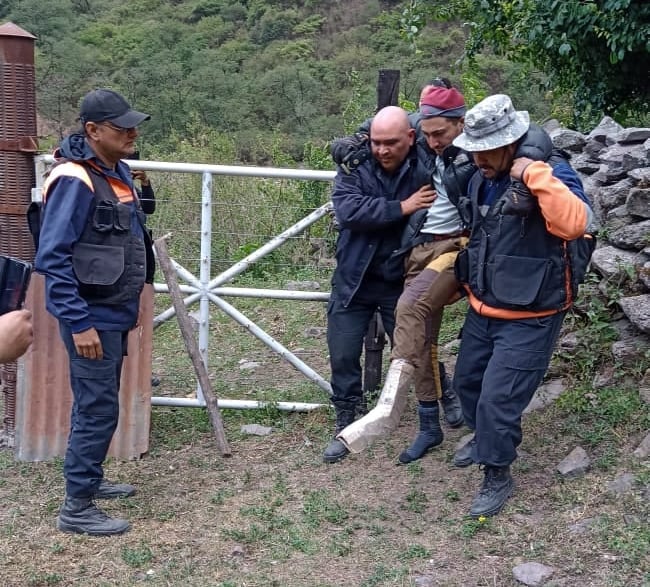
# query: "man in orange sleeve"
[526,255]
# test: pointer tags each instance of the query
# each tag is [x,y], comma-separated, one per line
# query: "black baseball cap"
[106,105]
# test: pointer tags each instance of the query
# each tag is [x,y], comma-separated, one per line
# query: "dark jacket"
[371,222]
[69,207]
[518,262]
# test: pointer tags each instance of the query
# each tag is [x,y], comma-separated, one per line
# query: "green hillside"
[249,78]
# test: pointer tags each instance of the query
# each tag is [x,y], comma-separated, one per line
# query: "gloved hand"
[350,152]
[518,201]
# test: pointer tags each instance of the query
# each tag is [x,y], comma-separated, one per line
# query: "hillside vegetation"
[251,77]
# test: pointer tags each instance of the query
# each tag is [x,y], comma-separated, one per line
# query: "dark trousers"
[346,329]
[95,411]
[500,365]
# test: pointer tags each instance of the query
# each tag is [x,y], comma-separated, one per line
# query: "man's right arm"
[419,200]
[356,205]
[358,208]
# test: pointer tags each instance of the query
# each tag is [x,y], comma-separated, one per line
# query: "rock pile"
[614,164]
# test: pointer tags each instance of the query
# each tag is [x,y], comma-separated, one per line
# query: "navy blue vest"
[110,262]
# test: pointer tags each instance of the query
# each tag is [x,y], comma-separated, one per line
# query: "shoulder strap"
[101,188]
[93,177]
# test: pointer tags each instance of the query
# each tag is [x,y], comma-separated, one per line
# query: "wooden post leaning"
[192,346]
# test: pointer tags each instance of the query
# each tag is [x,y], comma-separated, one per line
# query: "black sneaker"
[464,456]
[496,489]
[110,490]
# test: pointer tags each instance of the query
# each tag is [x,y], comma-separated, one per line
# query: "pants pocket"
[94,386]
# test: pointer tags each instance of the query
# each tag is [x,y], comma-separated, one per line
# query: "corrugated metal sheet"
[44,399]
[38,389]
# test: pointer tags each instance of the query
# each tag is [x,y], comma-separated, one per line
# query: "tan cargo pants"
[430,284]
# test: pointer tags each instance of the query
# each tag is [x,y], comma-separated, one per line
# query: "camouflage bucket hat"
[491,124]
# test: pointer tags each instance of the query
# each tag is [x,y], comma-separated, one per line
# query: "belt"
[427,237]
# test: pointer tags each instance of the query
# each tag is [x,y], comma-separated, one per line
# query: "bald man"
[372,206]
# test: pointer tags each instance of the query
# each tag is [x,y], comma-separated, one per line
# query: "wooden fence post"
[191,345]
[375,339]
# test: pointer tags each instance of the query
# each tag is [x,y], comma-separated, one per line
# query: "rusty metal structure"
[18,143]
[37,396]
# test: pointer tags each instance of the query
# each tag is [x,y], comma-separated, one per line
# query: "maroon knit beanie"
[437,101]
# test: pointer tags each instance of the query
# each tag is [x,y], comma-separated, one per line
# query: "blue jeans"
[346,329]
[95,410]
[500,365]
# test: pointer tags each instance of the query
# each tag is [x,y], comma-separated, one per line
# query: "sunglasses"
[120,129]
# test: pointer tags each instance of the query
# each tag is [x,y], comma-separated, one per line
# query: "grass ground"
[275,515]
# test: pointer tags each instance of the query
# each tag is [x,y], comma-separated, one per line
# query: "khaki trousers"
[430,284]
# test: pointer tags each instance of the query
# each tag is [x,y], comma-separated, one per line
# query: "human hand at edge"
[16,334]
[518,167]
[141,176]
[423,198]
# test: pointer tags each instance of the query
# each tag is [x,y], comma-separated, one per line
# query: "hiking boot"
[449,400]
[430,434]
[80,515]
[496,489]
[336,450]
[110,490]
[464,456]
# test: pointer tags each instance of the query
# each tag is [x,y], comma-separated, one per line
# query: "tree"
[597,52]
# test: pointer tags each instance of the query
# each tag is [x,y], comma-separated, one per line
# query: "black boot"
[80,515]
[466,454]
[430,434]
[449,400]
[111,490]
[496,489]
[336,450]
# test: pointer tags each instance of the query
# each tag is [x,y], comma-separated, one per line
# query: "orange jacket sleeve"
[565,213]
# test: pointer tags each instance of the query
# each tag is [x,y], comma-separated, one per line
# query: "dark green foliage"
[283,72]
[595,53]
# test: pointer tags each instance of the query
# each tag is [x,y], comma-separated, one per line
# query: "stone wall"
[614,164]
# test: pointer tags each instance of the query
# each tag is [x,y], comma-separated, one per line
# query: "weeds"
[416,501]
[415,551]
[470,527]
[44,579]
[340,543]
[630,541]
[137,556]
[221,496]
[599,415]
[452,495]
[382,575]
[318,507]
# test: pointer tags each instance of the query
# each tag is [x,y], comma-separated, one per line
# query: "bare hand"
[141,176]
[16,334]
[519,166]
[88,344]
[423,198]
